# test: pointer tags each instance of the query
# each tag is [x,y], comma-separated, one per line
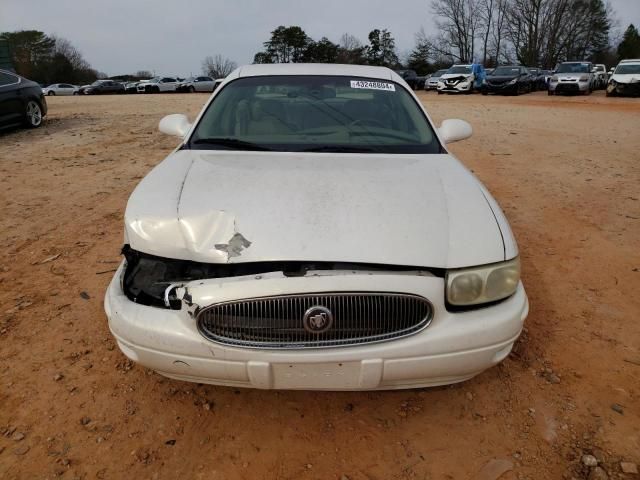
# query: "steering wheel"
[367,122]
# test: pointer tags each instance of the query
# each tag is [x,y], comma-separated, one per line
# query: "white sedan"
[158,85]
[60,89]
[312,231]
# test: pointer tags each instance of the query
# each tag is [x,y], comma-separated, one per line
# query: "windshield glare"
[628,69]
[315,113]
[574,68]
[506,71]
[459,69]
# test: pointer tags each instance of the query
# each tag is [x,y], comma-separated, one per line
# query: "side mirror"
[176,124]
[454,130]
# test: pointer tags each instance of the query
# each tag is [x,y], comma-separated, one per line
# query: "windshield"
[628,68]
[439,73]
[574,68]
[315,113]
[459,69]
[506,71]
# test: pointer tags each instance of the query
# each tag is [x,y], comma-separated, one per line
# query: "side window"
[7,79]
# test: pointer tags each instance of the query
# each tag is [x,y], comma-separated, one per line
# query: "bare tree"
[218,66]
[458,25]
[349,42]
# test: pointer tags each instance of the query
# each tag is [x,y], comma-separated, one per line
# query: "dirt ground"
[565,170]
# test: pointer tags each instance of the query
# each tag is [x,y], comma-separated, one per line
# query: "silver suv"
[572,77]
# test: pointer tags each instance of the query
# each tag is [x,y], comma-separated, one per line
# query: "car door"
[204,84]
[167,84]
[65,89]
[11,102]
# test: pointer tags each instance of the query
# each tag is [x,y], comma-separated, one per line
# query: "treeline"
[292,44]
[46,58]
[529,32]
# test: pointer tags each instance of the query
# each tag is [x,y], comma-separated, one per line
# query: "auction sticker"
[389,87]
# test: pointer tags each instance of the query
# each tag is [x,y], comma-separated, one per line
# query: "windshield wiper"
[340,149]
[232,143]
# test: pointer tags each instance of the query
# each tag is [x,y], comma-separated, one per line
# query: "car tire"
[156,89]
[51,94]
[192,89]
[484,92]
[440,93]
[33,114]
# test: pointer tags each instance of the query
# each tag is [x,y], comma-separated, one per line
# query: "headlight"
[554,79]
[441,84]
[513,82]
[584,78]
[474,286]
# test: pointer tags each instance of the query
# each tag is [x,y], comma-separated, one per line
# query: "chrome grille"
[277,322]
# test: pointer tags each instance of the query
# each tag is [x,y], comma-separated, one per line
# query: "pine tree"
[630,45]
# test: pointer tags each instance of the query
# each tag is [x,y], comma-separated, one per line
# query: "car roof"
[631,60]
[257,70]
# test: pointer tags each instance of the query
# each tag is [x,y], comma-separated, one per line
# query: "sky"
[172,37]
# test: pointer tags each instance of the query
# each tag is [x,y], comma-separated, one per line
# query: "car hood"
[501,78]
[570,76]
[626,78]
[236,207]
[448,76]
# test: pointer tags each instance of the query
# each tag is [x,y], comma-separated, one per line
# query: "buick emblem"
[317,319]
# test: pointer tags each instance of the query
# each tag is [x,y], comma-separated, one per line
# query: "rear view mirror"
[454,130]
[176,124]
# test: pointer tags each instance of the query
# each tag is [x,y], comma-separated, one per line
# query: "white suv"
[158,84]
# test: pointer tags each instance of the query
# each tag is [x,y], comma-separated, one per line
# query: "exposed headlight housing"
[485,284]
[554,79]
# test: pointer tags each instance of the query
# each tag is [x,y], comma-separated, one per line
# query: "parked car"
[538,78]
[263,252]
[60,89]
[600,76]
[572,77]
[462,79]
[103,87]
[432,81]
[196,84]
[131,87]
[625,80]
[511,79]
[544,78]
[21,101]
[409,76]
[158,84]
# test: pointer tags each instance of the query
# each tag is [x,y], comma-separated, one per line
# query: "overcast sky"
[171,37]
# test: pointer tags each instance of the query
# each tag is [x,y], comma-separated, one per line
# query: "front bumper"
[454,348]
[461,87]
[569,87]
[502,88]
[624,89]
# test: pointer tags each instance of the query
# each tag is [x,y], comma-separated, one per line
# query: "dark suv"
[104,86]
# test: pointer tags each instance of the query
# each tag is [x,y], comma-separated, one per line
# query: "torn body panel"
[163,282]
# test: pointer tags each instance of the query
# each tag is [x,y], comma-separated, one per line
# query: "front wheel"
[192,89]
[33,114]
[51,93]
